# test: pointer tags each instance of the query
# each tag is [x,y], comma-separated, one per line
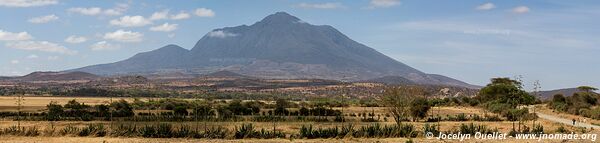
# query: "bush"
[180,111]
[376,130]
[93,129]
[215,133]
[247,131]
[562,129]
[69,130]
[123,130]
[21,131]
[310,133]
[473,128]
[164,130]
[427,128]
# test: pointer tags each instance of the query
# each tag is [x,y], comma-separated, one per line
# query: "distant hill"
[5,78]
[170,76]
[225,74]
[279,46]
[57,76]
[549,94]
[391,80]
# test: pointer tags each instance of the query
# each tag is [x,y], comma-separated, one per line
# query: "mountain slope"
[278,46]
[550,93]
[165,58]
[391,80]
[56,76]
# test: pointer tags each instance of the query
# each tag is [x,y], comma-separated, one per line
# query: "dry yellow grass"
[544,109]
[12,139]
[35,103]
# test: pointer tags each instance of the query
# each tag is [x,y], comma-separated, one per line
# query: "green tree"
[419,108]
[587,88]
[55,111]
[103,110]
[180,111]
[505,91]
[121,109]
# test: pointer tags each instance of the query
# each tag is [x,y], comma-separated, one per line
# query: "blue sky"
[555,42]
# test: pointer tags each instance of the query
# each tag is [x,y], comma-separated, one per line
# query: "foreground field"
[291,129]
[161,140]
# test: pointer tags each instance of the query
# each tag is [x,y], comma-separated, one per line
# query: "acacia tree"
[505,91]
[587,88]
[399,101]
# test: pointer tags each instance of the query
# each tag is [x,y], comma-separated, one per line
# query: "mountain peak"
[172,47]
[280,17]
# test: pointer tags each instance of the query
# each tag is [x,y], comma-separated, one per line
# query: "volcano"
[278,46]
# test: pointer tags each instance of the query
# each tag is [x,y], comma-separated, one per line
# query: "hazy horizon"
[550,41]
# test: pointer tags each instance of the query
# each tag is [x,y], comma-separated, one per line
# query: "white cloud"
[27,3]
[43,19]
[221,34]
[86,11]
[164,27]
[204,12]
[103,46]
[486,6]
[112,12]
[32,56]
[118,10]
[180,16]
[9,36]
[160,15]
[131,21]
[75,39]
[328,5]
[383,3]
[43,46]
[520,9]
[124,36]
[53,57]
[14,62]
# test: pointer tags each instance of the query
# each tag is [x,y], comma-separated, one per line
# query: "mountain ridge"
[549,94]
[278,46]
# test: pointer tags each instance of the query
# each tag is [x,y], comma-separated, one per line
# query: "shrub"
[473,128]
[69,130]
[310,133]
[93,129]
[562,129]
[147,131]
[21,131]
[184,131]
[214,133]
[164,130]
[428,128]
[123,130]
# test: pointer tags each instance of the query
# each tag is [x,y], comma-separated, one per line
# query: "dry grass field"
[35,103]
[290,127]
[12,139]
